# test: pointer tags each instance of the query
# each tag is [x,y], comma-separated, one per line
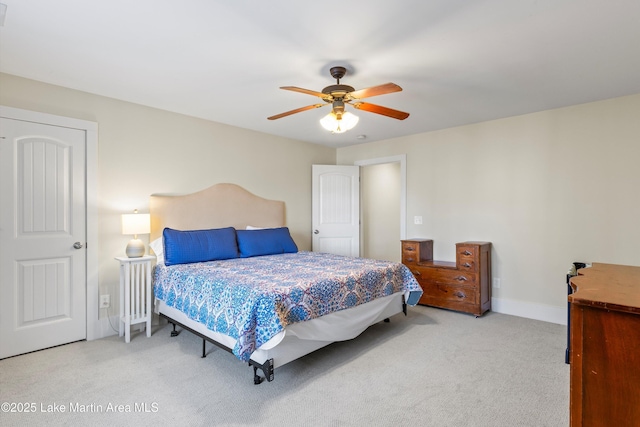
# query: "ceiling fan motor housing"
[338,91]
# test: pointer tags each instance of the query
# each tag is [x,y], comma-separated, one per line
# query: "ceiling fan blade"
[308,92]
[298,110]
[389,112]
[375,91]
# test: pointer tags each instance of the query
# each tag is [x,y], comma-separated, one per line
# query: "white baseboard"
[109,326]
[100,328]
[546,313]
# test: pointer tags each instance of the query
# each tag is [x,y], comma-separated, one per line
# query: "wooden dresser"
[605,346]
[464,285]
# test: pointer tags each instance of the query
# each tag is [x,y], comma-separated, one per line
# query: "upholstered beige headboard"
[221,205]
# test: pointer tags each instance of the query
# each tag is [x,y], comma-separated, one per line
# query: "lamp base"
[135,248]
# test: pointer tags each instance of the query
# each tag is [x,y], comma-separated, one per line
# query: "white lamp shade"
[331,123]
[136,224]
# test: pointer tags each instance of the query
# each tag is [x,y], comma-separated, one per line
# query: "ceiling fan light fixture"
[333,124]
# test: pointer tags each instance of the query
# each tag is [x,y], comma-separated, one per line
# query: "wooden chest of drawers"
[605,346]
[464,285]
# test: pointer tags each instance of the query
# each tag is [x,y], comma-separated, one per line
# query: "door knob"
[315,232]
[77,245]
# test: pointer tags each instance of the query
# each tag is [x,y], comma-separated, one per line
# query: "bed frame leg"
[174,333]
[204,353]
[267,370]
[404,310]
[257,379]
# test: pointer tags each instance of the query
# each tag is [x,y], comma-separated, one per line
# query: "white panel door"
[42,217]
[336,209]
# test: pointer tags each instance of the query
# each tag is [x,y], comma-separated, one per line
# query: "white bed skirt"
[304,337]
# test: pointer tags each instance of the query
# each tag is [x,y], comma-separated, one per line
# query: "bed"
[251,291]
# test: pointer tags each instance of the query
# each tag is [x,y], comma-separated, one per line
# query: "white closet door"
[42,236]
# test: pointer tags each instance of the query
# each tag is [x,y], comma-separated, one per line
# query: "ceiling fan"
[339,95]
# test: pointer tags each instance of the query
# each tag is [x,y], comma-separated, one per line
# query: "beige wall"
[547,189]
[144,151]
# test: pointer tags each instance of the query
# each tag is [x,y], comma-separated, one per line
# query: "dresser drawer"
[444,275]
[442,292]
[410,252]
[468,265]
[416,251]
[467,251]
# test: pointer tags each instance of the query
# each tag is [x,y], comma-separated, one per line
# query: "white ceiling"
[458,61]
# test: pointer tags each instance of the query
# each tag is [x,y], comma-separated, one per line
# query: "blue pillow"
[268,241]
[183,247]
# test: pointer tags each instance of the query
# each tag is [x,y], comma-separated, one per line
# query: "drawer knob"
[409,249]
[416,272]
[461,279]
[459,294]
[467,253]
[466,265]
[409,259]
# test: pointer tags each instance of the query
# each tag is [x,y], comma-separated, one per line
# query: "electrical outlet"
[417,220]
[496,283]
[105,301]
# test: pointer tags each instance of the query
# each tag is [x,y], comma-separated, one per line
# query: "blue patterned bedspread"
[253,299]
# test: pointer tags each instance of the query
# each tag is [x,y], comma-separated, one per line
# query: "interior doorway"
[383,207]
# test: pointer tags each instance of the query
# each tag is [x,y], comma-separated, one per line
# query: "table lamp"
[135,224]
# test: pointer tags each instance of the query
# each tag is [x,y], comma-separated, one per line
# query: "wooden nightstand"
[135,294]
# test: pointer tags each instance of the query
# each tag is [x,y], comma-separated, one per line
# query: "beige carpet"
[431,368]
